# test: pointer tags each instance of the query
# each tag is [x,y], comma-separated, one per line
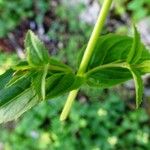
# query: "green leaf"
[61,83]
[144,67]
[17,76]
[38,82]
[110,48]
[37,54]
[107,76]
[114,48]
[145,55]
[18,105]
[8,94]
[5,78]
[16,98]
[138,86]
[19,96]
[111,52]
[136,49]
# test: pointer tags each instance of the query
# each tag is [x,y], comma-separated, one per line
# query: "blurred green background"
[101,119]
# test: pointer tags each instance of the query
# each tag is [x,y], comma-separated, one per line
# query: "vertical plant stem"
[87,54]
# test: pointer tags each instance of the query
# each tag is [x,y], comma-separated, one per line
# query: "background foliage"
[100,119]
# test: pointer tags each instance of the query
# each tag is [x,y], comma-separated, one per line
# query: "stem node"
[87,55]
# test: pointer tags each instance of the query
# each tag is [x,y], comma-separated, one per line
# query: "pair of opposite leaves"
[116,59]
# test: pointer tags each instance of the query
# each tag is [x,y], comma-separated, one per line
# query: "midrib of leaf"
[5,78]
[36,48]
[112,73]
[14,80]
[43,85]
[110,65]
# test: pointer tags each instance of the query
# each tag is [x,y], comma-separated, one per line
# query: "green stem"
[87,54]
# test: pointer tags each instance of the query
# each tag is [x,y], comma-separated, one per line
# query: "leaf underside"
[112,56]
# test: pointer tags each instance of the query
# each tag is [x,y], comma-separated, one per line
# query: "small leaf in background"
[107,77]
[37,54]
[38,82]
[5,78]
[138,86]
[136,49]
